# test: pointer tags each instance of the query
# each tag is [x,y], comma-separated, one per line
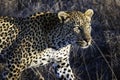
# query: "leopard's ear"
[89,13]
[63,16]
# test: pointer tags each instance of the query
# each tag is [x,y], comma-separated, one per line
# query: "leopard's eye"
[76,25]
[89,27]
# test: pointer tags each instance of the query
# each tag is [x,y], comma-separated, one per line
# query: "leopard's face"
[81,25]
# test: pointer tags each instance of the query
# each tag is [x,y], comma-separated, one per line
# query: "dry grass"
[99,62]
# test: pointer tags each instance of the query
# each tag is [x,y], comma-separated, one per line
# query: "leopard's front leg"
[62,65]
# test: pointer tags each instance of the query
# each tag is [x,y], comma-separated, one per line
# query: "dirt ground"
[99,62]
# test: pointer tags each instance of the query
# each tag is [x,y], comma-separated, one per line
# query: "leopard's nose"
[87,40]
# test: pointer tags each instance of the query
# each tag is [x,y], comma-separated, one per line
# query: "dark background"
[99,62]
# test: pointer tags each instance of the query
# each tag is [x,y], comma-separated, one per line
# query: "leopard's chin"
[84,46]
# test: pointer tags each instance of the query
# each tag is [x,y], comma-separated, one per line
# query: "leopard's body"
[41,39]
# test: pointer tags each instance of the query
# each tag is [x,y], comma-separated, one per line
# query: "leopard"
[43,38]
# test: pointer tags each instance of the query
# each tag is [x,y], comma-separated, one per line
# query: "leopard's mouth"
[84,44]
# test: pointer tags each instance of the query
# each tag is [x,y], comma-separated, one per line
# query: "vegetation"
[99,62]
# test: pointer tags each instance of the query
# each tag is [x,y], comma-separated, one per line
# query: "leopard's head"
[80,23]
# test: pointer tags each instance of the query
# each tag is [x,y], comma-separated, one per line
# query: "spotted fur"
[40,39]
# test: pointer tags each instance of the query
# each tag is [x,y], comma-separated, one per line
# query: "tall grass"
[101,61]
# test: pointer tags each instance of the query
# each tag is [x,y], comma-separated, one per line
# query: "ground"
[98,63]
